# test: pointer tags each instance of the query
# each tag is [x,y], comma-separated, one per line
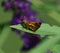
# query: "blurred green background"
[48,12]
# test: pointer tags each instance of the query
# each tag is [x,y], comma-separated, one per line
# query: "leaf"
[4,35]
[55,16]
[45,29]
[56,48]
[1,51]
[46,45]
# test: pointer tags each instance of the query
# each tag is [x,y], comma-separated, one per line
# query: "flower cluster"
[22,11]
[30,41]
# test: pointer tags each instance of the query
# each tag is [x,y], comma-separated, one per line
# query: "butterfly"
[33,26]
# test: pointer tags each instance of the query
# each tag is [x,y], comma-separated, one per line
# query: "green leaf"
[56,48]
[46,45]
[4,35]
[45,29]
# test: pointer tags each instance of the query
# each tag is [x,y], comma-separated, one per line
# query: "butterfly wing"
[33,26]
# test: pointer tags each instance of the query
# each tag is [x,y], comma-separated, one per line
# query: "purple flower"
[49,51]
[17,18]
[18,4]
[38,20]
[21,5]
[27,5]
[15,2]
[16,21]
[30,40]
[8,5]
